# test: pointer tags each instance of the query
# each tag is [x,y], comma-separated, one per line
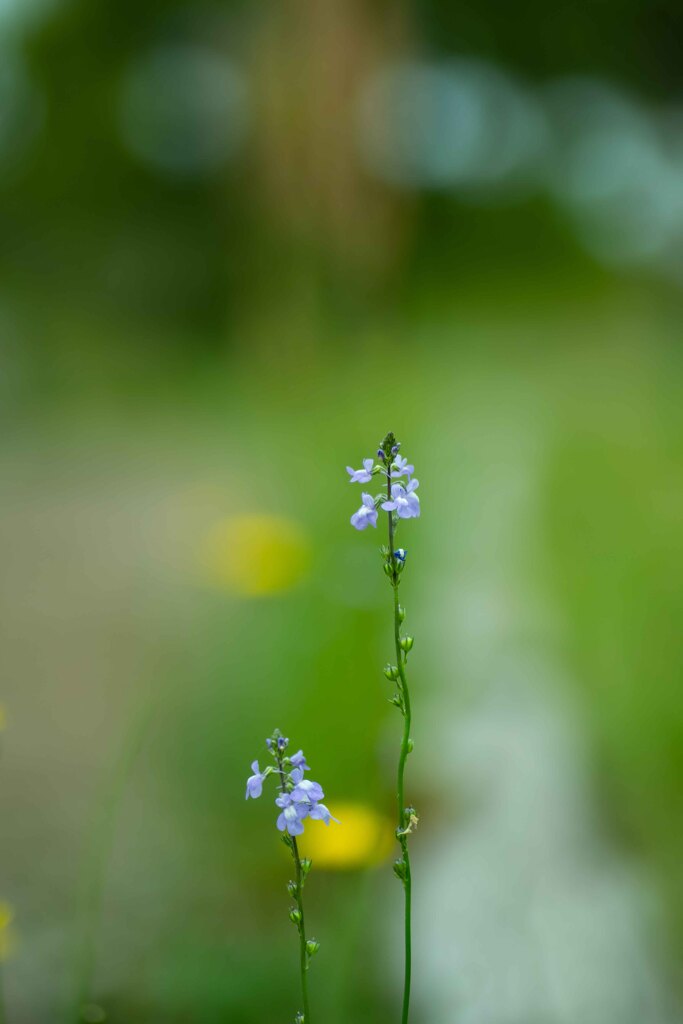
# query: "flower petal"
[299,761]
[307,790]
[359,521]
[320,813]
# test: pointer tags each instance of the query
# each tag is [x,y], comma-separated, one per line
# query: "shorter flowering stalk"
[299,799]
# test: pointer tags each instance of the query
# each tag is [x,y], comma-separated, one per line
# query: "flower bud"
[312,947]
[400,869]
[299,1019]
[411,745]
[305,865]
[401,613]
[388,571]
[406,643]
[292,888]
[295,916]
[391,671]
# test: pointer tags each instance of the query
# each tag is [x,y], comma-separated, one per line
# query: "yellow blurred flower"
[363,838]
[6,936]
[255,555]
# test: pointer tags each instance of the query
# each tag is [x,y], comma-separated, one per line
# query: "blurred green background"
[239,243]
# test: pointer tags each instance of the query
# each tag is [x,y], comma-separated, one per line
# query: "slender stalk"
[407,881]
[403,825]
[303,959]
[301,925]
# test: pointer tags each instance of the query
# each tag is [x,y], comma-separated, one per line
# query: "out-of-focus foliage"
[239,243]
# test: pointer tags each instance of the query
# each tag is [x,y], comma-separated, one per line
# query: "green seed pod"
[292,888]
[406,643]
[400,869]
[312,947]
[411,746]
[295,916]
[391,672]
[401,613]
[305,865]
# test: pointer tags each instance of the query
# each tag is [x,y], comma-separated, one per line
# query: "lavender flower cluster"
[404,501]
[299,797]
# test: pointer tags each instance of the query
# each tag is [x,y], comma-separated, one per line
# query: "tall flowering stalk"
[299,798]
[399,502]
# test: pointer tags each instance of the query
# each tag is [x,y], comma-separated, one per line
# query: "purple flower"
[254,782]
[292,814]
[299,798]
[361,476]
[366,514]
[320,813]
[404,501]
[402,468]
[306,796]
[299,761]
[304,789]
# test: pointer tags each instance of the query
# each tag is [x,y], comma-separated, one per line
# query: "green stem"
[407,882]
[303,955]
[405,750]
